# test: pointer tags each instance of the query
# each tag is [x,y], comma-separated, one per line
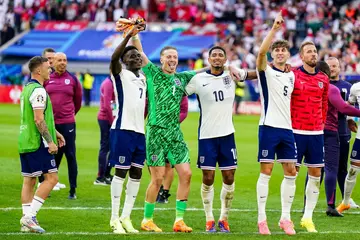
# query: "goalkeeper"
[164,139]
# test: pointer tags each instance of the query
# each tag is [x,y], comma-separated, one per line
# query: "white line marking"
[162,209]
[169,233]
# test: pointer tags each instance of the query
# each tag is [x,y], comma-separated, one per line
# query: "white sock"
[262,191]
[116,190]
[132,189]
[207,196]
[350,183]
[26,208]
[312,195]
[36,204]
[226,198]
[288,188]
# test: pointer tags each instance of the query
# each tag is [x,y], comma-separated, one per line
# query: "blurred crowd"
[333,25]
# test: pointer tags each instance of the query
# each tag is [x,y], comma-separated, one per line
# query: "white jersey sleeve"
[191,87]
[354,93]
[38,98]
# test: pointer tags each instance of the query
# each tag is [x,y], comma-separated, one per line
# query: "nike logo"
[205,84]
[262,196]
[302,82]
[278,75]
[71,130]
[51,81]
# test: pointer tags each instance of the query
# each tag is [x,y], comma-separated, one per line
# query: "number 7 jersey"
[130,96]
[275,88]
[216,95]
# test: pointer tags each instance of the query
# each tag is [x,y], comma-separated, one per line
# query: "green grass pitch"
[88,216]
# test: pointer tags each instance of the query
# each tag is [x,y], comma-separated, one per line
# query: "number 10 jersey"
[216,95]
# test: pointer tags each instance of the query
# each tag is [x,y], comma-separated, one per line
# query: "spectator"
[118,13]
[7,33]
[100,15]
[88,85]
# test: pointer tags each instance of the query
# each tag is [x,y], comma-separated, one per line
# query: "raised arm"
[261,60]
[137,43]
[115,64]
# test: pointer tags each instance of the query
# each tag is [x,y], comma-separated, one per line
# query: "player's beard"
[333,77]
[311,63]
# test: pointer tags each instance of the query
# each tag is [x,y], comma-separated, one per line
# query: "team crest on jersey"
[53,163]
[202,159]
[154,157]
[227,81]
[321,84]
[354,153]
[177,82]
[264,153]
[122,159]
[67,81]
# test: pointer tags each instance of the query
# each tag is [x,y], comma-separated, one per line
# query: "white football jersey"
[275,88]
[130,97]
[354,98]
[216,98]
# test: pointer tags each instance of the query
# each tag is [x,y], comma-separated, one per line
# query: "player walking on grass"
[275,130]
[354,157]
[38,141]
[127,139]
[216,92]
[309,105]
[164,139]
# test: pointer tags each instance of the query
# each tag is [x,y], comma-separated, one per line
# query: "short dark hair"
[280,44]
[216,47]
[167,48]
[305,44]
[36,62]
[51,50]
[128,48]
[324,67]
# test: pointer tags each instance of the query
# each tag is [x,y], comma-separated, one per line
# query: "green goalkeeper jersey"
[165,92]
[30,137]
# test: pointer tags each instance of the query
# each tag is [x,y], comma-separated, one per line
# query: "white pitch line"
[169,233]
[161,209]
